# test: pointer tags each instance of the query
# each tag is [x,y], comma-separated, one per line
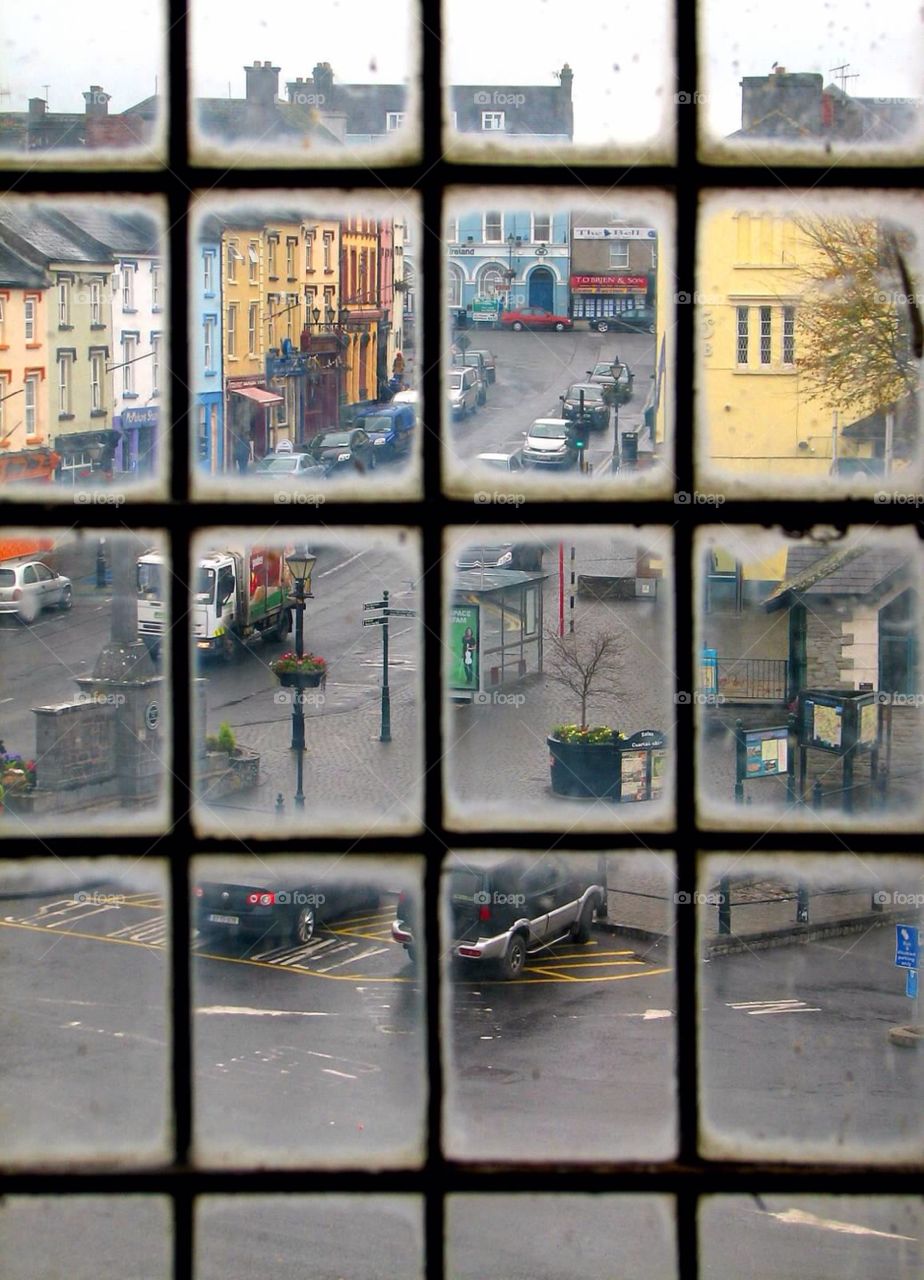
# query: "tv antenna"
[840,73]
[46,87]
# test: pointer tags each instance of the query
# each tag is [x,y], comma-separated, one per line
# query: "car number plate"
[225,919]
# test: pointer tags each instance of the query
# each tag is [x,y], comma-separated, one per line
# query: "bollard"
[802,904]
[101,564]
[280,805]
[725,905]
[817,794]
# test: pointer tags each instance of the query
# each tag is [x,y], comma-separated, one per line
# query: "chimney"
[37,108]
[323,84]
[262,84]
[97,102]
[566,76]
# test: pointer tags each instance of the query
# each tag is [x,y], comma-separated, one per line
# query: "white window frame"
[540,239]
[742,336]
[619,253]
[253,323]
[290,258]
[454,281]
[97,376]
[208,271]
[394,120]
[156,300]
[64,303]
[272,255]
[499,238]
[452,230]
[4,392]
[65,383]
[231,261]
[30,403]
[309,250]
[253,262]
[28,318]
[328,241]
[231,331]
[96,302]
[788,345]
[156,350]
[493,121]
[208,343]
[128,287]
[129,354]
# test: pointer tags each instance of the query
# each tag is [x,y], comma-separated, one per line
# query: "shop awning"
[258,395]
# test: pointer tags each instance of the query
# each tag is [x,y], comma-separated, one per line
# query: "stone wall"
[74,744]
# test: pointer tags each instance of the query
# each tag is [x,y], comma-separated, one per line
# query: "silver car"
[548,443]
[28,587]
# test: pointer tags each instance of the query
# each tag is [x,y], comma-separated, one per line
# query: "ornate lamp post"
[301,563]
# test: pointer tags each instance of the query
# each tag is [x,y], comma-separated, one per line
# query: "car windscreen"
[149,580]
[7,577]
[455,381]
[336,439]
[378,422]
[205,586]
[547,431]
[270,465]
[591,390]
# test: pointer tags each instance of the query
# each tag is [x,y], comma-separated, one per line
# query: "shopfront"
[596,297]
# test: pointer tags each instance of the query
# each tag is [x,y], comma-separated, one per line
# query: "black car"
[632,320]
[504,555]
[595,406]
[340,450]
[291,910]
[504,911]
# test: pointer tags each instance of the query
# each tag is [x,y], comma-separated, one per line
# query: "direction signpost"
[908,956]
[382,620]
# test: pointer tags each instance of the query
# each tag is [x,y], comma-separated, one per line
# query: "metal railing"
[743,679]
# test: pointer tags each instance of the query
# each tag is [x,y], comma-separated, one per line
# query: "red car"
[534,318]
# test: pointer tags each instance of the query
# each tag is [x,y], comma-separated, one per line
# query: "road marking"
[344,1075]
[343,564]
[601,977]
[246,1012]
[363,955]
[591,964]
[772,1006]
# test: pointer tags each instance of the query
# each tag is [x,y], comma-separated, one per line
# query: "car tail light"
[484,913]
[17,593]
[260,899]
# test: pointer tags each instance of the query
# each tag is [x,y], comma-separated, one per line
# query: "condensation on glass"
[850,1236]
[570,85]
[558,678]
[557,349]
[309,1034]
[848,90]
[808,367]
[304,354]
[301,726]
[807,1030]
[807,698]
[84,1237]
[86,1028]
[85,650]
[536,948]
[73,121]
[85,413]
[354,100]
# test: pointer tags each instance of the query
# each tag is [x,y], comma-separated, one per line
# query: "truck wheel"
[228,647]
[514,958]
[283,626]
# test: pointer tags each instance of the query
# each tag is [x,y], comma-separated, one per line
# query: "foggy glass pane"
[254,698]
[532,1237]
[85,1073]
[855,1237]
[85,337]
[801,974]
[84,627]
[558,345]
[805,322]
[86,1237]
[532,964]
[558,678]
[848,88]
[308,1017]
[256,101]
[808,702]
[566,82]
[72,121]
[303,347]
[345,1237]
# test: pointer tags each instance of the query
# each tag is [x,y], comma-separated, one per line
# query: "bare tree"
[586,664]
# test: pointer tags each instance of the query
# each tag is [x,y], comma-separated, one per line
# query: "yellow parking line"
[612,977]
[560,977]
[594,964]
[580,955]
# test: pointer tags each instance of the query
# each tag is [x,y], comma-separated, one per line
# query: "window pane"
[558,678]
[536,1235]
[86,1237]
[328,1070]
[542,319]
[344,1236]
[282,371]
[802,978]
[359,769]
[86,1040]
[86,725]
[526,966]
[808,689]
[808,377]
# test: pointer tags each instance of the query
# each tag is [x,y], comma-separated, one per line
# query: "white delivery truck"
[241,592]
[152,607]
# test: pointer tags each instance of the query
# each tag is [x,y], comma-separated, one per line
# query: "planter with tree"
[584,759]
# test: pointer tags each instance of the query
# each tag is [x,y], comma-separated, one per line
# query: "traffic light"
[577,434]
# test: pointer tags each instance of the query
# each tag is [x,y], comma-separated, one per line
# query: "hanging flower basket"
[301,679]
[306,672]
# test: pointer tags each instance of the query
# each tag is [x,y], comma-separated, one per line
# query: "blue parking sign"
[906,946]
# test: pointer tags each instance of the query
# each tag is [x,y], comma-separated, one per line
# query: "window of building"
[766,333]
[328,240]
[64,304]
[452,230]
[129,354]
[789,335]
[272,252]
[619,253]
[29,307]
[65,384]
[493,227]
[208,272]
[233,255]
[290,258]
[741,354]
[128,287]
[253,262]
[96,303]
[156,299]
[208,342]
[231,331]
[97,382]
[156,369]
[394,120]
[30,403]
[309,249]
[542,227]
[492,120]
[253,322]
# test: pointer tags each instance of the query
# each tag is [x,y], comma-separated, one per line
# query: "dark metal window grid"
[689,1176]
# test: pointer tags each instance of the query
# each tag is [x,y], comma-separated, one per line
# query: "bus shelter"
[495,631]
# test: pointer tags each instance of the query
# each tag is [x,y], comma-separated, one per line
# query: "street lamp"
[301,562]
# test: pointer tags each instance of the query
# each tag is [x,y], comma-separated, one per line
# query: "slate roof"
[121,232]
[50,238]
[854,570]
[18,272]
[237,120]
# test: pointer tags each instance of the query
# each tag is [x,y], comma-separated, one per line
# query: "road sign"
[906,946]
[374,622]
[401,613]
[376,604]
[911,983]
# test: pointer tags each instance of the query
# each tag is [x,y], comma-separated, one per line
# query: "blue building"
[517,259]
[205,371]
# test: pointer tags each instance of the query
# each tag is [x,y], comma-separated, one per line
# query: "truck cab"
[152,607]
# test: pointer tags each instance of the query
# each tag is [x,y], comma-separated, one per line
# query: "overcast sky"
[617,52]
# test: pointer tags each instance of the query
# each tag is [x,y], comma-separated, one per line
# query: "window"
[454,286]
[129,354]
[30,403]
[789,335]
[231,262]
[619,253]
[290,258]
[65,388]
[156,370]
[394,120]
[742,338]
[542,227]
[96,304]
[208,343]
[328,251]
[253,312]
[452,230]
[493,227]
[309,249]
[156,299]
[208,272]
[291,314]
[492,120]
[64,304]
[231,331]
[128,287]
[765,334]
[97,382]
[29,319]
[272,250]
[253,262]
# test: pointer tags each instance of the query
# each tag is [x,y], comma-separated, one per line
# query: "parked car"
[548,443]
[632,320]
[502,461]
[339,450]
[291,909]
[534,318]
[591,396]
[462,389]
[405,929]
[616,377]
[296,466]
[526,557]
[489,361]
[473,360]
[390,427]
[28,587]
[504,911]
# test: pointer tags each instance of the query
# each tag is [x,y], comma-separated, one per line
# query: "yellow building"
[759,419]
[248,421]
[359,275]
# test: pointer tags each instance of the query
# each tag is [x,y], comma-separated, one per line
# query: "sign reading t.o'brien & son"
[609,284]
